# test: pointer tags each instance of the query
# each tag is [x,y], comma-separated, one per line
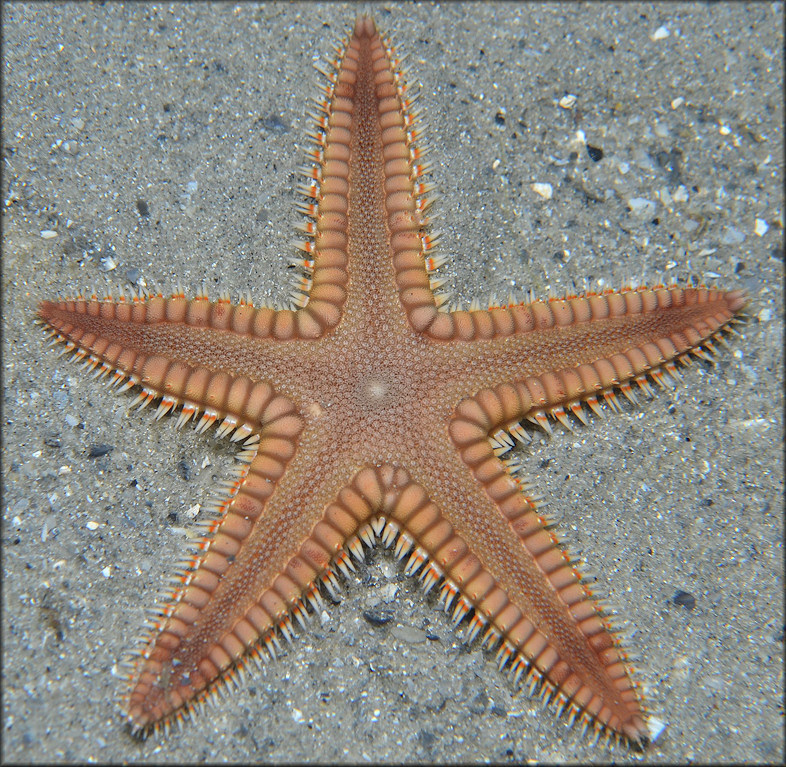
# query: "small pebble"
[544,190]
[595,153]
[686,599]
[60,398]
[733,236]
[661,33]
[750,373]
[92,525]
[715,683]
[71,420]
[107,572]
[680,194]
[641,206]
[568,101]
[661,130]
[23,504]
[761,227]
[97,450]
[388,592]
[408,634]
[48,234]
[378,617]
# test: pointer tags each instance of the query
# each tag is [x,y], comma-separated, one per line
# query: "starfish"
[369,410]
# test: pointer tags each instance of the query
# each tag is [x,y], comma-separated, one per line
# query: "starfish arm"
[365,199]
[562,353]
[214,621]
[86,314]
[515,583]
[688,306]
[525,590]
[212,357]
[238,596]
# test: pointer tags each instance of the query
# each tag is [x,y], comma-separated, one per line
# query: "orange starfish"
[366,411]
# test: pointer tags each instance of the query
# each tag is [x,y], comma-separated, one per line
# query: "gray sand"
[198,111]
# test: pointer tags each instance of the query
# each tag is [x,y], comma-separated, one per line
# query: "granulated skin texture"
[619,432]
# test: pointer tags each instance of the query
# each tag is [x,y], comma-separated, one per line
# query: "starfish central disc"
[377,390]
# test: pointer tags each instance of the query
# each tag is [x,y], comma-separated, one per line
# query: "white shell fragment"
[656,727]
[761,227]
[544,190]
[661,33]
[641,206]
[48,234]
[680,194]
[568,101]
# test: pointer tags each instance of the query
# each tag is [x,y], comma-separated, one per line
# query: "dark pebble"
[426,738]
[595,153]
[478,704]
[378,617]
[686,599]
[96,451]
